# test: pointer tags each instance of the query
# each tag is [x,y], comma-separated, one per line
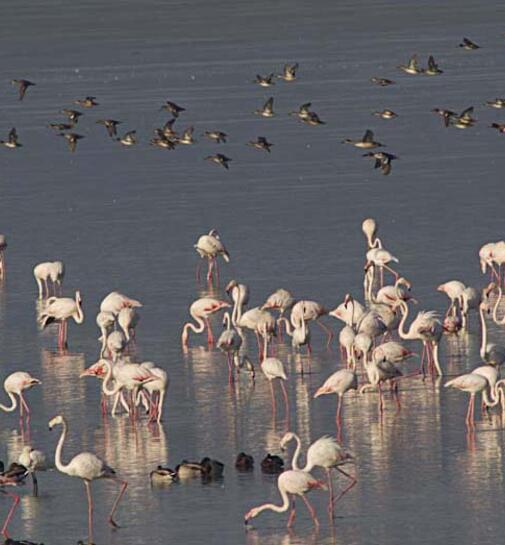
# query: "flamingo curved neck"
[195,329]
[401,326]
[238,307]
[277,508]
[79,318]
[296,455]
[13,405]
[227,320]
[495,309]
[60,466]
[105,385]
[289,329]
[484,333]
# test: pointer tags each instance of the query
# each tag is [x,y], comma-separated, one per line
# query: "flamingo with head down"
[201,310]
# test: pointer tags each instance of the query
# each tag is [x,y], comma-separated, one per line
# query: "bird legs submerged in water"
[333,500]
[10,514]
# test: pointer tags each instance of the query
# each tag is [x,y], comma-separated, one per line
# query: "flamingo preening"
[210,247]
[60,309]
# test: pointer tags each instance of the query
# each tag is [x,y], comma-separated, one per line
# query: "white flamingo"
[310,311]
[379,372]
[60,309]
[200,311]
[105,321]
[454,289]
[116,344]
[369,228]
[155,387]
[300,335]
[281,300]
[53,271]
[229,342]
[88,467]
[209,247]
[14,385]
[34,460]
[115,301]
[128,319]
[346,342]
[473,384]
[274,369]
[491,353]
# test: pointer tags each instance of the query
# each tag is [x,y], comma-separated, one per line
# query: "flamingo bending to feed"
[379,372]
[492,374]
[280,299]
[300,334]
[88,467]
[295,483]
[116,344]
[229,342]
[34,460]
[339,383]
[115,301]
[310,310]
[210,247]
[49,270]
[390,294]
[60,309]
[454,289]
[392,351]
[105,321]
[369,228]
[157,386]
[15,384]
[427,328]
[473,384]
[128,319]
[14,476]
[274,369]
[200,311]
[326,453]
[379,257]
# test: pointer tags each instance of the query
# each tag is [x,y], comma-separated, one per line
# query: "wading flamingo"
[454,289]
[60,309]
[200,311]
[473,384]
[210,247]
[14,476]
[15,384]
[310,311]
[115,301]
[53,271]
[274,369]
[229,342]
[491,353]
[88,467]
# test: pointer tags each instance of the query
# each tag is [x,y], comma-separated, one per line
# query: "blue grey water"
[126,219]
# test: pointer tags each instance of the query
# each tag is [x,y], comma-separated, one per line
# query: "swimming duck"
[468,44]
[23,85]
[10,541]
[433,69]
[189,470]
[12,140]
[163,475]
[268,108]
[244,462]
[264,81]
[128,139]
[445,114]
[383,82]
[173,108]
[303,111]
[366,142]
[61,126]
[211,469]
[382,160]
[261,143]
[465,119]
[14,471]
[217,136]
[386,114]
[496,103]
[71,138]
[499,126]
[219,159]
[187,137]
[88,102]
[272,464]
[73,115]
[312,119]
[110,125]
[412,67]
[289,72]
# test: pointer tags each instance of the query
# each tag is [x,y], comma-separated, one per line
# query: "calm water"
[126,219]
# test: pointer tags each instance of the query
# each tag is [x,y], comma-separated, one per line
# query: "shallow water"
[126,219]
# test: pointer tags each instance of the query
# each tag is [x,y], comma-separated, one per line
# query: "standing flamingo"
[326,453]
[155,386]
[294,483]
[15,384]
[487,259]
[105,321]
[473,384]
[310,310]
[280,299]
[300,334]
[349,312]
[379,372]
[88,467]
[369,228]
[239,294]
[379,257]
[274,369]
[128,319]
[49,270]
[60,309]
[346,342]
[14,476]
[491,353]
[200,311]
[115,301]
[454,289]
[209,247]
[229,342]
[339,383]
[34,460]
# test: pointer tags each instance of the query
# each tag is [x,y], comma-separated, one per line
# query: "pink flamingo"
[310,310]
[295,483]
[60,309]
[15,384]
[200,311]
[88,467]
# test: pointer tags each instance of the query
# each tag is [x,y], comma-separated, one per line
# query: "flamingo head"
[254,512]
[489,289]
[98,369]
[55,421]
[289,436]
[231,284]
[348,299]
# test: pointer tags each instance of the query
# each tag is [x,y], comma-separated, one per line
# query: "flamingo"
[349,312]
[200,311]
[362,346]
[454,289]
[128,319]
[492,374]
[473,384]
[491,353]
[115,301]
[311,311]
[239,294]
[326,453]
[339,383]
[274,369]
[379,257]
[471,298]
[116,343]
[295,483]
[369,228]
[105,321]
[392,351]
[88,467]
[49,270]
[229,342]
[60,309]
[426,328]
[346,341]
[389,295]
[155,386]
[34,460]
[15,384]
[487,259]
[14,476]
[379,372]
[496,320]
[300,335]
[280,299]
[209,247]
